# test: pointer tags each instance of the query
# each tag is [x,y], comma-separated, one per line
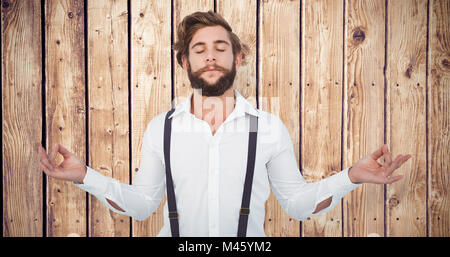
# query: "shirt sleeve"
[143,196]
[297,197]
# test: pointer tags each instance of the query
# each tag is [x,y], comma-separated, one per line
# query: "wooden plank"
[406,115]
[322,59]
[363,126]
[279,89]
[438,119]
[241,15]
[66,111]
[22,120]
[108,107]
[150,84]
[182,8]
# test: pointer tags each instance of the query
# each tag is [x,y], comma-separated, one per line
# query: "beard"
[216,89]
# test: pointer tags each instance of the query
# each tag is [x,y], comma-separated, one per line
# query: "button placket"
[214,184]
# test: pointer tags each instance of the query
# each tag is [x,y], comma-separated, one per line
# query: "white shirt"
[209,173]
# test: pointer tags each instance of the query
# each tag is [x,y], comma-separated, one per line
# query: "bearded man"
[223,156]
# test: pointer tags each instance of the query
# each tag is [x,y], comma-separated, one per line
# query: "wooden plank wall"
[344,76]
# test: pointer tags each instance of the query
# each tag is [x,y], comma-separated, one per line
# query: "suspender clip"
[173,215]
[245,211]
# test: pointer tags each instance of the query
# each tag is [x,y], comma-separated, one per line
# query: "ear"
[184,62]
[238,60]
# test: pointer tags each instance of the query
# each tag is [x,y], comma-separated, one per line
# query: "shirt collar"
[241,107]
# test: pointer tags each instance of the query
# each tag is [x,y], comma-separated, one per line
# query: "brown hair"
[193,22]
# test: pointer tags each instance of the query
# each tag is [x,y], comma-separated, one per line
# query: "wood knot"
[393,202]
[358,35]
[5,4]
[80,110]
[446,63]
[408,71]
[70,15]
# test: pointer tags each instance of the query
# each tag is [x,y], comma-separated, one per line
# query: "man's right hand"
[71,168]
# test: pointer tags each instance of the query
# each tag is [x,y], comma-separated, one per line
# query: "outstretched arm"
[138,200]
[301,199]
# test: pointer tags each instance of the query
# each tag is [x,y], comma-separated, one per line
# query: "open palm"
[368,170]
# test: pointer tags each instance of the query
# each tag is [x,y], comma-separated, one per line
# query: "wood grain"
[66,111]
[363,125]
[108,107]
[150,84]
[406,116]
[21,118]
[321,109]
[279,89]
[438,119]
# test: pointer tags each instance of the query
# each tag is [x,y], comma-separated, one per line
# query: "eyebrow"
[215,42]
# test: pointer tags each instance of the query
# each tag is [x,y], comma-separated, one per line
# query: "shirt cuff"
[94,182]
[341,184]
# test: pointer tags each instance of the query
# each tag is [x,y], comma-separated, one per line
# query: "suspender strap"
[172,206]
[245,206]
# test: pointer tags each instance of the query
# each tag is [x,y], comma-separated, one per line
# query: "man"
[209,154]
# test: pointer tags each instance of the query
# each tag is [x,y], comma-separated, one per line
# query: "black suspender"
[245,206]
[172,205]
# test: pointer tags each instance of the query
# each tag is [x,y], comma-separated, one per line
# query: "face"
[211,65]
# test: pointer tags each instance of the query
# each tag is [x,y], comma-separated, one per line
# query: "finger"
[377,154]
[405,158]
[52,155]
[394,179]
[387,156]
[49,172]
[44,157]
[47,169]
[397,163]
[63,151]
[44,168]
[42,152]
[394,165]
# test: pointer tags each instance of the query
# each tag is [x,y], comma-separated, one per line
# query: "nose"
[210,57]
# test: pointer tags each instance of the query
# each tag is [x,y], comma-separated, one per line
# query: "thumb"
[52,154]
[63,151]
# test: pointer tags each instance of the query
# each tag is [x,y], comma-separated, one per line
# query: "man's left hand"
[368,170]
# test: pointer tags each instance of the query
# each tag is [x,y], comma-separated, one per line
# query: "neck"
[213,109]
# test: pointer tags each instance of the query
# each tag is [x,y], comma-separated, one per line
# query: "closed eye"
[220,50]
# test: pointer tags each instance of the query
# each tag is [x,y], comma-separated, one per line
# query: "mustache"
[214,66]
